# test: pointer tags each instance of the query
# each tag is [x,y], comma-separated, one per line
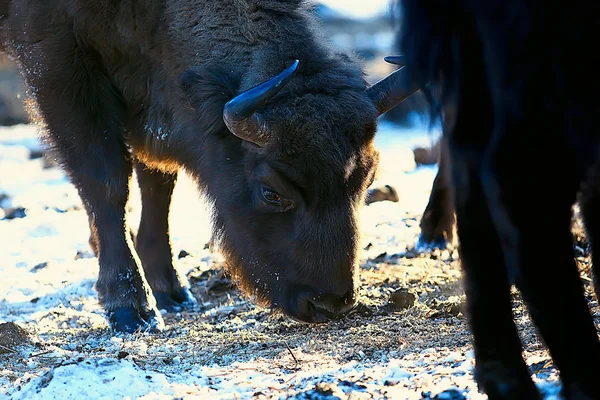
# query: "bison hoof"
[424,246]
[583,391]
[130,320]
[501,382]
[509,390]
[174,302]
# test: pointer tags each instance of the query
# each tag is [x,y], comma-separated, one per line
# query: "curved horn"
[398,60]
[393,89]
[240,114]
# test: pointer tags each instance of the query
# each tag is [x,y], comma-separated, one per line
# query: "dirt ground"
[407,339]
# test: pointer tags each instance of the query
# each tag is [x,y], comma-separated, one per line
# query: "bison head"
[287,174]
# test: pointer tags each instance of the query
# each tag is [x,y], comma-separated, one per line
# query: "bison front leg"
[102,179]
[153,243]
[500,370]
[548,280]
[122,288]
[84,116]
[499,367]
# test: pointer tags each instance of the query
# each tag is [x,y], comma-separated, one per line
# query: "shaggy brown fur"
[123,83]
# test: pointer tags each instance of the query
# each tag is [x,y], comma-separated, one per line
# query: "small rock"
[35,154]
[83,254]
[13,336]
[427,156]
[39,266]
[447,308]
[182,254]
[457,308]
[383,193]
[322,391]
[445,256]
[13,213]
[402,299]
[381,257]
[204,276]
[363,310]
[450,394]
[122,354]
[49,161]
[221,285]
[541,366]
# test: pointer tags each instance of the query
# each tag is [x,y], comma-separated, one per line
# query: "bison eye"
[271,196]
[274,199]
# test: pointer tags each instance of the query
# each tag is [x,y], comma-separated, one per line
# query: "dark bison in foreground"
[514,76]
[276,127]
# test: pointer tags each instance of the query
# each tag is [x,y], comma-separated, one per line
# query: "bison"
[245,95]
[512,76]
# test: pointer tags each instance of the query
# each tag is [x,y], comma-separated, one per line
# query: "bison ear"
[203,85]
[206,90]
[188,80]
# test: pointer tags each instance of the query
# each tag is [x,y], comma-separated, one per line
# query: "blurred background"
[12,111]
[366,27]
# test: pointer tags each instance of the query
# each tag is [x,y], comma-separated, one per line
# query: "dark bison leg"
[500,370]
[83,113]
[499,366]
[543,265]
[93,240]
[589,203]
[437,223]
[153,242]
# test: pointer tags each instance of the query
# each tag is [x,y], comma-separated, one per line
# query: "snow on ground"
[228,347]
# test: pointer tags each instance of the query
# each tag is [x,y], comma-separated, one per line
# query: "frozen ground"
[228,347]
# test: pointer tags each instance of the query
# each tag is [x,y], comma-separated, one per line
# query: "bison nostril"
[334,305]
[304,304]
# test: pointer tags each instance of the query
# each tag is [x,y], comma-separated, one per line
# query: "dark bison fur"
[514,76]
